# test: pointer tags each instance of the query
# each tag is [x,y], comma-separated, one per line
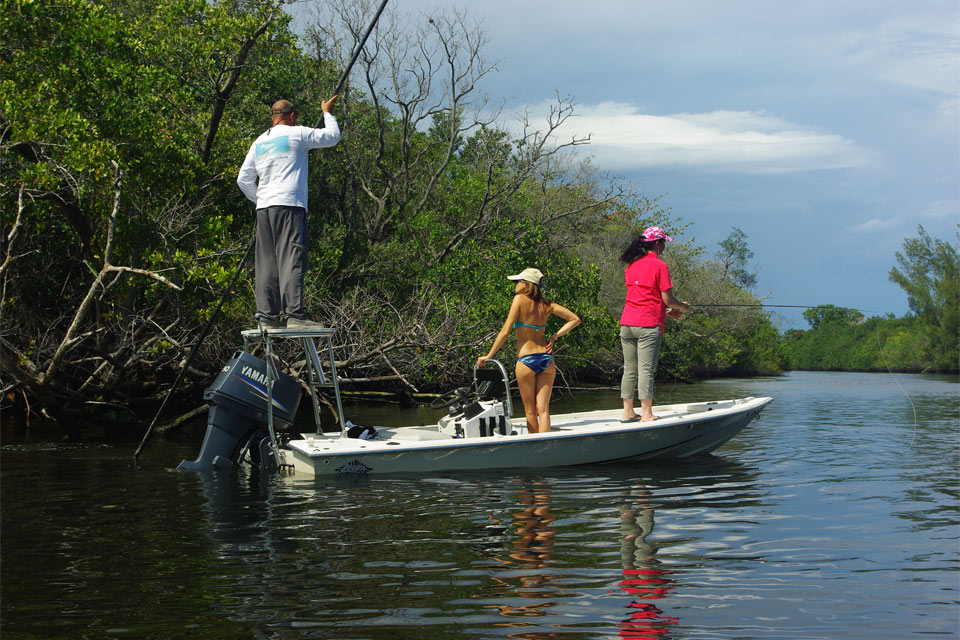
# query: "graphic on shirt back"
[273,146]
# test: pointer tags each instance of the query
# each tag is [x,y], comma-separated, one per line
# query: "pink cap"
[651,234]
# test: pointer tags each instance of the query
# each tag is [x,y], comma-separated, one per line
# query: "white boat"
[476,432]
[590,437]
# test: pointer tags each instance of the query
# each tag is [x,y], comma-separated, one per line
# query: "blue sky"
[826,130]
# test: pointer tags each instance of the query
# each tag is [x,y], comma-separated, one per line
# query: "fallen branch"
[182,420]
[8,259]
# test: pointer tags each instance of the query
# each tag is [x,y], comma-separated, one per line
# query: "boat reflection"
[237,508]
[643,576]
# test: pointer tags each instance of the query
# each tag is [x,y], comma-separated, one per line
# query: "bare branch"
[12,235]
[142,272]
[223,90]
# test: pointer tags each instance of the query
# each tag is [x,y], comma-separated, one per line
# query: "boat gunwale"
[374,447]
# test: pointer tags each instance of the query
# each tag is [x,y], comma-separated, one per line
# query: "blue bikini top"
[535,327]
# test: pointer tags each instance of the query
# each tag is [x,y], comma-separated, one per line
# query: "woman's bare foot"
[646,410]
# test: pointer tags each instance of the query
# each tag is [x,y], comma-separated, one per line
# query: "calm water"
[835,515]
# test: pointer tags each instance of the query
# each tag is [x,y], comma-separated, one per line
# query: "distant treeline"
[927,340]
[874,344]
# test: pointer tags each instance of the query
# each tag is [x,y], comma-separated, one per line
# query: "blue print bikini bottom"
[538,362]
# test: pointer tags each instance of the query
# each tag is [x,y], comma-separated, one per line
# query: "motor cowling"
[237,418]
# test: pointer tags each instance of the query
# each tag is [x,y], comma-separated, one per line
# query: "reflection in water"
[534,544]
[642,577]
[794,516]
[235,508]
[530,553]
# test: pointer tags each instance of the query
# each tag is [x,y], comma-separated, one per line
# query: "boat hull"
[576,439]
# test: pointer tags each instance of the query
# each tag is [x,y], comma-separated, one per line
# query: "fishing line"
[779,306]
[879,345]
[673,387]
[913,438]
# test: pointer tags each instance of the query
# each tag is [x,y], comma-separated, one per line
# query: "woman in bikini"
[535,368]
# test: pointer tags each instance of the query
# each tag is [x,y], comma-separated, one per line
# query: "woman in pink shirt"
[649,297]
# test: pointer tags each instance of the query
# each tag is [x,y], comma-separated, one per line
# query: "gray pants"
[641,351]
[281,262]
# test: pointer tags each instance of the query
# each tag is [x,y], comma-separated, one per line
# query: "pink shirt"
[645,278]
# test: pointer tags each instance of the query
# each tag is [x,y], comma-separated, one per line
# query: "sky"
[827,130]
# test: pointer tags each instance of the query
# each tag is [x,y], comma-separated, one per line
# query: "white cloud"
[906,220]
[915,49]
[948,114]
[623,138]
[876,225]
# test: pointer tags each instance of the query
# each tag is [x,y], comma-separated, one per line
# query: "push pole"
[206,329]
[356,53]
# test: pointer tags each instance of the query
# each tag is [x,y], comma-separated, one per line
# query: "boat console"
[480,410]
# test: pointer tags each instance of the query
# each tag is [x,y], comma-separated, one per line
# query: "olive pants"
[641,351]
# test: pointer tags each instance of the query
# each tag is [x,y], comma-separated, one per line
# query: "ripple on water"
[833,516]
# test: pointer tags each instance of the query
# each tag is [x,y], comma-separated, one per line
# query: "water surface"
[835,515]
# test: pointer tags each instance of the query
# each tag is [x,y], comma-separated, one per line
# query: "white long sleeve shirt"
[274,173]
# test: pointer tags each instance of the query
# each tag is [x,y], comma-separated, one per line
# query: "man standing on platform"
[274,177]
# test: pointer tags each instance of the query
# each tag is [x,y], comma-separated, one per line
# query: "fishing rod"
[775,306]
[781,306]
[196,346]
[356,54]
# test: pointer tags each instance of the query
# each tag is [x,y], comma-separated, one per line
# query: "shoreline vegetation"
[122,127]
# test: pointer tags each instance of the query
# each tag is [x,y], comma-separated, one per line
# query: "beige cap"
[529,275]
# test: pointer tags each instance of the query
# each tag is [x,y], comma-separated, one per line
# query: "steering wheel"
[450,398]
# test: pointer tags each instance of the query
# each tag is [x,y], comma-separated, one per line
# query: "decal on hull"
[354,466]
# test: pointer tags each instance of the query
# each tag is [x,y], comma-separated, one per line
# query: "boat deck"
[575,425]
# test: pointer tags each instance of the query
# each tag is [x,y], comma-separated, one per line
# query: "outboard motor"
[237,420]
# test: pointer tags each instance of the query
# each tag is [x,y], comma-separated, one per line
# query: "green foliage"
[877,344]
[871,345]
[827,313]
[733,258]
[840,339]
[929,272]
[722,343]
[415,219]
